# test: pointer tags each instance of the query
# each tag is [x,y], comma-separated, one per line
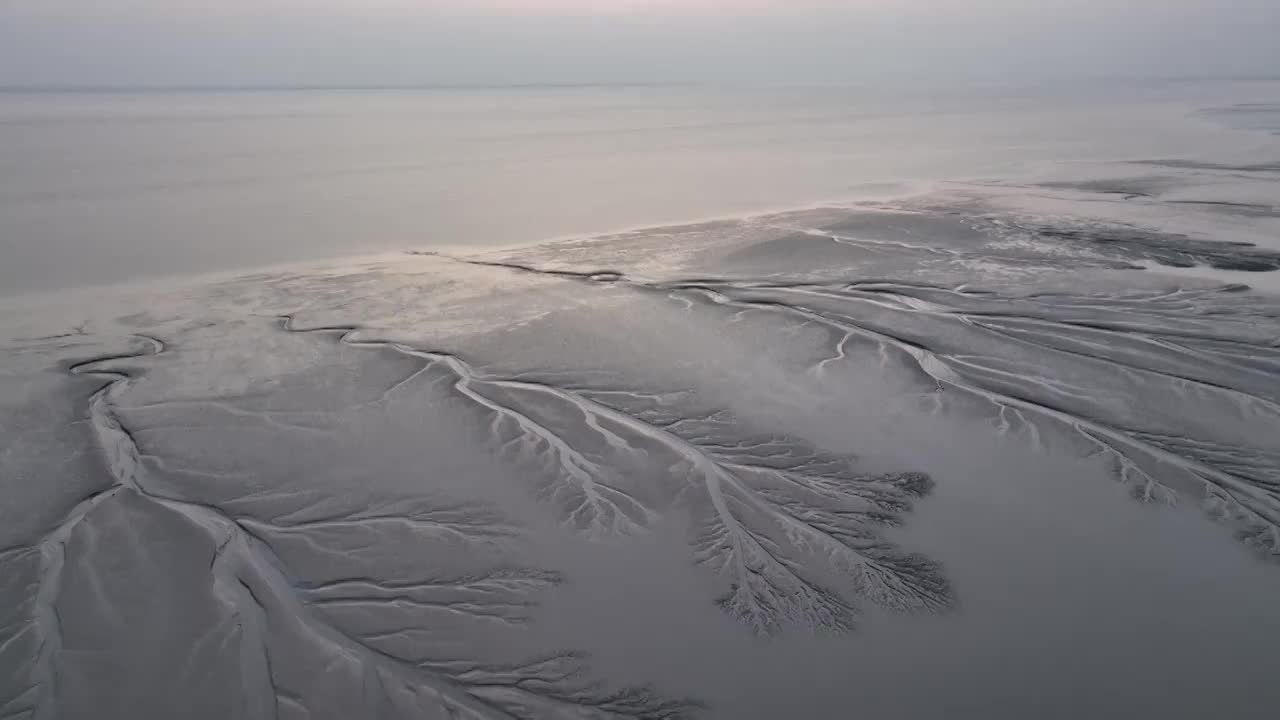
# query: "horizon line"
[51,88]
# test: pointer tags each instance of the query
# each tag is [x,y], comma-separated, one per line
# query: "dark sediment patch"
[1233,208]
[1128,188]
[1170,249]
[1179,164]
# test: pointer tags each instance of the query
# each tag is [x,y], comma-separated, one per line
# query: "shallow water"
[110,187]
[1002,447]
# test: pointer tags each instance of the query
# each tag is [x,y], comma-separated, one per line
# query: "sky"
[126,43]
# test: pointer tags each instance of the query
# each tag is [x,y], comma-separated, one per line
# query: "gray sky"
[393,42]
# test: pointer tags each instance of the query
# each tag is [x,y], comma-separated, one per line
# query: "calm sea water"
[104,188]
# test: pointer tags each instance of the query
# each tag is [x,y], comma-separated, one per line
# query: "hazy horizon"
[393,43]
